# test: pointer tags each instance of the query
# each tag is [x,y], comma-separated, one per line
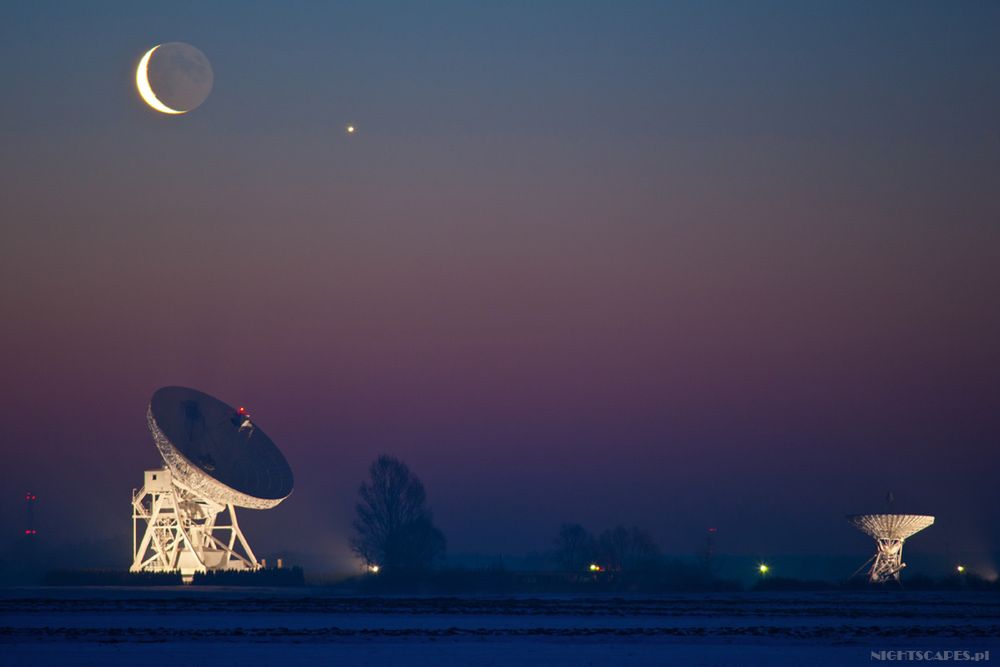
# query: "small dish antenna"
[889,531]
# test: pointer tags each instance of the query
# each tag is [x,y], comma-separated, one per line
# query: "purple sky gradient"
[674,265]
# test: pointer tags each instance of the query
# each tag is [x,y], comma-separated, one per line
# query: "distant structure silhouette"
[30,531]
[708,551]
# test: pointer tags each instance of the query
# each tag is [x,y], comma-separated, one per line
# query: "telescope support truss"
[888,561]
[889,531]
[180,531]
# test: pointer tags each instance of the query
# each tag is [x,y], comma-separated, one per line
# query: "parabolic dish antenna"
[208,449]
[216,459]
[889,531]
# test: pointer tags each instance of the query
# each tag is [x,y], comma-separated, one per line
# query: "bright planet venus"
[174,78]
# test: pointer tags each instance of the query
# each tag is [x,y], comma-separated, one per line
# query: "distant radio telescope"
[216,459]
[174,78]
[889,531]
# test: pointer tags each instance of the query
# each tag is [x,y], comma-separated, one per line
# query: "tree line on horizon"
[615,549]
[394,531]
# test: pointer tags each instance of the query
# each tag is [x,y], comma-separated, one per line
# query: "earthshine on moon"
[174,78]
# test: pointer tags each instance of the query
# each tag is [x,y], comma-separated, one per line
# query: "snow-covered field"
[312,626]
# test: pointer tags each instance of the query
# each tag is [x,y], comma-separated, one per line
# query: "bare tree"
[622,548]
[394,527]
[643,552]
[612,546]
[574,547]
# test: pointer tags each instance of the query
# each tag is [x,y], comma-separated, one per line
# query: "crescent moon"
[145,90]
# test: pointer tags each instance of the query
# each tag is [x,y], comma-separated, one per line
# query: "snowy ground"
[108,626]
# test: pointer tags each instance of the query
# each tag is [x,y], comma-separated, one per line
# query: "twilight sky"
[673,264]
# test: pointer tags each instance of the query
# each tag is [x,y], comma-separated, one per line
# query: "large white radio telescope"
[889,531]
[216,459]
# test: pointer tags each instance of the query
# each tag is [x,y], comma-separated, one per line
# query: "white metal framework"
[889,531]
[182,530]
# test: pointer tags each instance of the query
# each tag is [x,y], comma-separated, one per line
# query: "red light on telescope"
[30,531]
[242,410]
